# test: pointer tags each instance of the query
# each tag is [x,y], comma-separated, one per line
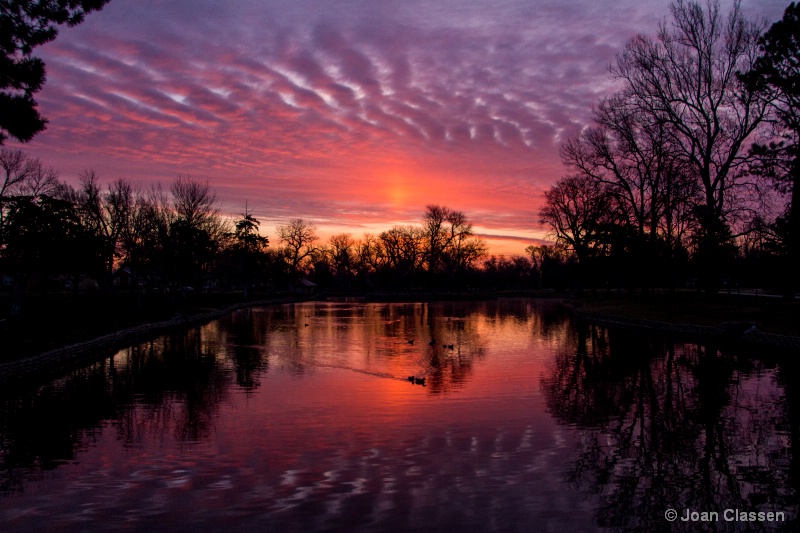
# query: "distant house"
[304,287]
[71,283]
[62,282]
[121,277]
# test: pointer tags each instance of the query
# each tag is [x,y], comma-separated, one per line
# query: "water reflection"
[674,426]
[301,417]
[169,386]
[174,384]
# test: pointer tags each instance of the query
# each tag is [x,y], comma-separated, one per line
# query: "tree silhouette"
[686,78]
[578,210]
[24,26]
[21,176]
[248,249]
[633,156]
[194,232]
[298,237]
[103,215]
[449,246]
[342,261]
[400,255]
[45,237]
[777,74]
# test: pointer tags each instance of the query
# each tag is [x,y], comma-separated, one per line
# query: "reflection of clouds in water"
[450,479]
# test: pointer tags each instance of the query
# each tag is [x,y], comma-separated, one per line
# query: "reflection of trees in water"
[461,325]
[41,428]
[244,338]
[390,340]
[177,384]
[171,386]
[665,425]
[387,340]
[457,344]
[787,378]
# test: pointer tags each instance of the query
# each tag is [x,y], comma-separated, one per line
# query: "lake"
[308,417]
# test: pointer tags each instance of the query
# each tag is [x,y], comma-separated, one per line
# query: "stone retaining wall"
[56,360]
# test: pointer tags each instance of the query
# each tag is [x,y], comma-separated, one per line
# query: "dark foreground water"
[302,418]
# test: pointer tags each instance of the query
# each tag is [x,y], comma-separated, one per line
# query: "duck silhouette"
[419,381]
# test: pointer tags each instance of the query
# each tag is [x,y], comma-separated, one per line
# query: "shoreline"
[62,358]
[742,331]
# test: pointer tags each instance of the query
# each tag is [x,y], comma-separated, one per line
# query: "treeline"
[96,238]
[690,172]
[52,233]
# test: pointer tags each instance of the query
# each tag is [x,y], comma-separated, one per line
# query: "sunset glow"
[352,115]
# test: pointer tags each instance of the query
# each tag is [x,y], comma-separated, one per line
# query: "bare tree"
[435,234]
[104,215]
[341,248]
[462,247]
[446,232]
[402,249]
[298,237]
[633,156]
[22,175]
[577,209]
[687,78]
[195,232]
[368,253]
[146,237]
[196,205]
[16,166]
[41,180]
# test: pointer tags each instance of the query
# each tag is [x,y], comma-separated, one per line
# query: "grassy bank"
[772,315]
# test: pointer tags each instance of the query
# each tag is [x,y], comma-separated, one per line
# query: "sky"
[351,114]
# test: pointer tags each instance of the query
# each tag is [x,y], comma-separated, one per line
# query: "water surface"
[302,417]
